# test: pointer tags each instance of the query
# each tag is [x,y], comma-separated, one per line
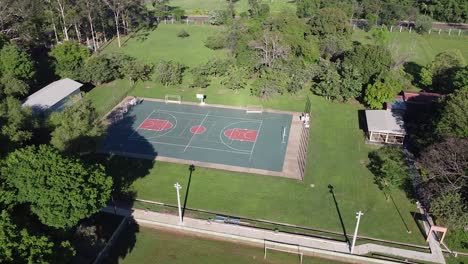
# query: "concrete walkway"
[306,245]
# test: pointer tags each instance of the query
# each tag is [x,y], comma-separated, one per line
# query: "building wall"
[62,104]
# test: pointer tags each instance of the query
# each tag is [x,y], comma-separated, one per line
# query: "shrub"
[169,72]
[183,34]
[215,42]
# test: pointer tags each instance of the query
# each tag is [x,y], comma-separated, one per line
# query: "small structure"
[420,98]
[385,126]
[54,97]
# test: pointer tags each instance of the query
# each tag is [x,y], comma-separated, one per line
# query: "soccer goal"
[283,247]
[254,109]
[171,98]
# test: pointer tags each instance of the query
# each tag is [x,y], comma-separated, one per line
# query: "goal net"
[254,109]
[171,98]
[283,247]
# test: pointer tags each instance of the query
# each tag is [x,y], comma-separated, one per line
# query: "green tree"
[450,210]
[16,122]
[327,81]
[453,121]
[369,60]
[389,167]
[350,83]
[382,90]
[460,80]
[235,78]
[59,190]
[307,8]
[76,128]
[10,86]
[330,21]
[270,82]
[169,72]
[19,246]
[135,70]
[69,59]
[423,24]
[439,75]
[100,69]
[16,63]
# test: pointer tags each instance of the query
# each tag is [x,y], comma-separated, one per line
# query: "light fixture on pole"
[358,216]
[178,187]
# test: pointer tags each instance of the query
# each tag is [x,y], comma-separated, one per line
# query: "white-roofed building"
[55,96]
[385,126]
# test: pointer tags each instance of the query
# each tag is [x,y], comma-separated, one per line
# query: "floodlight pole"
[358,216]
[178,187]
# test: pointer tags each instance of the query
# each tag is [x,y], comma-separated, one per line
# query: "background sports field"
[337,153]
[202,133]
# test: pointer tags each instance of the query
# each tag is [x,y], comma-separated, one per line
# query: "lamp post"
[358,216]
[178,187]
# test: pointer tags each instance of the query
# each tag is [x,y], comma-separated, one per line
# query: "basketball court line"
[188,113]
[168,131]
[221,133]
[258,134]
[193,135]
[179,145]
[136,130]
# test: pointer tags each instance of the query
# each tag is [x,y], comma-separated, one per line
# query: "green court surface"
[201,133]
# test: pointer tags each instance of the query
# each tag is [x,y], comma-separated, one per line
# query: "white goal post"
[283,247]
[172,98]
[254,109]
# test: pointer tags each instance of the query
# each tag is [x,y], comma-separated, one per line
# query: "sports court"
[218,137]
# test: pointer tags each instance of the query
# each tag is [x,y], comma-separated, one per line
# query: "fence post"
[459,32]
[172,20]
[430,31]
[354,26]
[439,30]
[165,21]
[401,28]
[410,29]
[391,28]
[450,30]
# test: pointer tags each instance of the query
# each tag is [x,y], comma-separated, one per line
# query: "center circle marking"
[197,130]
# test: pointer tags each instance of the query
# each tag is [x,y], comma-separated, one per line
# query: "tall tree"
[19,246]
[117,7]
[69,58]
[16,63]
[384,89]
[453,121]
[59,190]
[369,60]
[439,75]
[76,129]
[444,165]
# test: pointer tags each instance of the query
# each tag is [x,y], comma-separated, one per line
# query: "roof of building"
[52,93]
[397,104]
[385,121]
[420,97]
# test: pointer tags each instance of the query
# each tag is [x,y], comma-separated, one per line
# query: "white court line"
[188,113]
[258,135]
[188,144]
[142,123]
[179,145]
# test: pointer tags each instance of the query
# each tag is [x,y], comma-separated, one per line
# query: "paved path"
[258,236]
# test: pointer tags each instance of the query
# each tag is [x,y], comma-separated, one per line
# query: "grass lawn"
[155,246]
[422,47]
[204,7]
[337,153]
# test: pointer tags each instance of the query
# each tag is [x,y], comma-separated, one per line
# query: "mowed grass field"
[337,154]
[162,247]
[421,48]
[198,7]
